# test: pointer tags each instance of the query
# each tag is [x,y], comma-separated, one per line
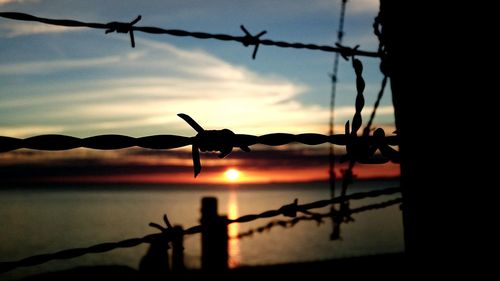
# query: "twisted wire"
[287,210]
[247,40]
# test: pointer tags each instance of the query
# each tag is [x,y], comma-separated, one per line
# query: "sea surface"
[38,220]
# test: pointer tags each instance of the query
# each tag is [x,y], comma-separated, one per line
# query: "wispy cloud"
[29,130]
[140,94]
[45,67]
[353,7]
[363,6]
[5,2]
[14,29]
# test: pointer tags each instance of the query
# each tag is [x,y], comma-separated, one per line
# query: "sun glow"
[232,175]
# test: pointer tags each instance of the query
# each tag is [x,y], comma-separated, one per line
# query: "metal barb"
[210,140]
[250,39]
[347,52]
[124,27]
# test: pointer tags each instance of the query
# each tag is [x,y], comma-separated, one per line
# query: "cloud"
[45,67]
[141,92]
[15,29]
[363,6]
[148,166]
[353,7]
[5,2]
[29,130]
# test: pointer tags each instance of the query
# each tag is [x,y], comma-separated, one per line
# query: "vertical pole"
[431,93]
[393,24]
[336,218]
[155,264]
[177,249]
[331,158]
[415,70]
[214,238]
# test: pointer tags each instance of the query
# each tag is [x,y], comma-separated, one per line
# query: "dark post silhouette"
[214,238]
[155,264]
[416,78]
[177,249]
[336,222]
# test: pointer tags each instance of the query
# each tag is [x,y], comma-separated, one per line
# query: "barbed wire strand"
[353,147]
[54,142]
[366,130]
[360,85]
[247,40]
[334,77]
[206,140]
[315,217]
[286,210]
[377,30]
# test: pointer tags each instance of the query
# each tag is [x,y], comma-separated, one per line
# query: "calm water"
[46,220]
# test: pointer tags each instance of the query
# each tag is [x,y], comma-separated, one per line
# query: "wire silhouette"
[289,210]
[331,158]
[206,141]
[383,68]
[366,130]
[318,217]
[354,148]
[247,40]
[358,149]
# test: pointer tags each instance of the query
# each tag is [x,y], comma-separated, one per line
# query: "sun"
[232,175]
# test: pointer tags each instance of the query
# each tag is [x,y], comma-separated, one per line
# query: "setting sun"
[232,174]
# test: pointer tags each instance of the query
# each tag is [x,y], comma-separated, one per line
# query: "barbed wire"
[206,141]
[247,40]
[377,30]
[216,140]
[355,149]
[292,209]
[318,217]
[334,78]
[366,130]
[289,210]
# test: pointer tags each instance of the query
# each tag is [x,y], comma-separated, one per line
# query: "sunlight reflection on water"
[234,244]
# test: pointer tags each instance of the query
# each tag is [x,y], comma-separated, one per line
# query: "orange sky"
[175,166]
[251,176]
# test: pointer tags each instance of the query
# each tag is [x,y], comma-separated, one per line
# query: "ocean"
[38,220]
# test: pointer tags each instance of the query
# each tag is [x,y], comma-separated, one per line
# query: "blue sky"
[82,82]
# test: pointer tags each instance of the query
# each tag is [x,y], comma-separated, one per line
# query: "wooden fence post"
[214,238]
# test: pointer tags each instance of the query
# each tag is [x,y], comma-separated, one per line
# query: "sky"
[82,82]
